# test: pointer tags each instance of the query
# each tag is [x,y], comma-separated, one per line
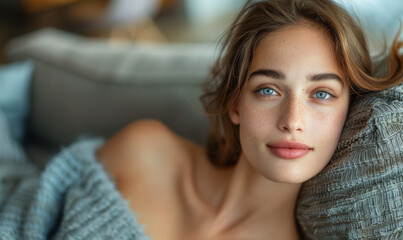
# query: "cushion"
[14,89]
[359,194]
[92,86]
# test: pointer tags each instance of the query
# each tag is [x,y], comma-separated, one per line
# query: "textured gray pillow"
[359,194]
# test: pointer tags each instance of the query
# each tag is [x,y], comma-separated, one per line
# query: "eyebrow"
[281,76]
[268,73]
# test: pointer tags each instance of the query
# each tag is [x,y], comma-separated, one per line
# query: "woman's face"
[293,105]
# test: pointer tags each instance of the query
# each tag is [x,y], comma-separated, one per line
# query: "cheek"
[257,120]
[250,128]
[326,129]
[325,134]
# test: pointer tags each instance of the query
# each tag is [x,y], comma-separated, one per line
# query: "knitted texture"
[72,198]
[359,194]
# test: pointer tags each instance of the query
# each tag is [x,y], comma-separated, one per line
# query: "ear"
[233,114]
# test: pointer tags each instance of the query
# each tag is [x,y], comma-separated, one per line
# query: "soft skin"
[286,104]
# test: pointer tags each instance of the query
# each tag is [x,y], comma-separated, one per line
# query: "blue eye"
[323,95]
[267,92]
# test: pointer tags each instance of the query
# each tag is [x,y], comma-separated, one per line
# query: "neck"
[250,200]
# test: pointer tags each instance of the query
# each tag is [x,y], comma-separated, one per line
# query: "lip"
[289,150]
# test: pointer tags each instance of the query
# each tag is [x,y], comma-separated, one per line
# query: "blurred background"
[162,21]
[120,20]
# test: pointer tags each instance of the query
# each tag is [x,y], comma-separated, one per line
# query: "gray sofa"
[83,86]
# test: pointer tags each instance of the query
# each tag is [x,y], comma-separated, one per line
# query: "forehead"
[302,45]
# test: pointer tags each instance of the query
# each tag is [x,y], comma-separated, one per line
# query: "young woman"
[278,98]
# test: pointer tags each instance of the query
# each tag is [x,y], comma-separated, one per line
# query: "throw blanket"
[72,198]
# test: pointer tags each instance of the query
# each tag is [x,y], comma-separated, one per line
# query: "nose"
[291,118]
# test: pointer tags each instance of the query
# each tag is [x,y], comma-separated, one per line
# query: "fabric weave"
[72,198]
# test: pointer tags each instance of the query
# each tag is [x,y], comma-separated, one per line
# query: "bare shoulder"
[145,149]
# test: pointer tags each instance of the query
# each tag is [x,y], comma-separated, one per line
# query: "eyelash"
[260,92]
[330,96]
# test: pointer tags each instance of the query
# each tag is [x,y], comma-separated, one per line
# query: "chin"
[288,177]
[295,171]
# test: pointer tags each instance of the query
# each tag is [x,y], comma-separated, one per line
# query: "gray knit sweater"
[72,198]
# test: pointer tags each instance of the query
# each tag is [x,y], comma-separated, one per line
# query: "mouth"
[289,150]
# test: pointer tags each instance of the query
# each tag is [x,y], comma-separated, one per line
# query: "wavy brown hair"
[259,19]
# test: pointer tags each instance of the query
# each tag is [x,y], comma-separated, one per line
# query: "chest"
[169,206]
[161,206]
